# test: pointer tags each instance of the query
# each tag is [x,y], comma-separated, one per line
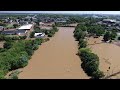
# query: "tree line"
[9,38]
[90,61]
[17,54]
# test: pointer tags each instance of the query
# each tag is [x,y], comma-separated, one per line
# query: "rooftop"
[26,26]
[8,32]
[21,31]
[111,20]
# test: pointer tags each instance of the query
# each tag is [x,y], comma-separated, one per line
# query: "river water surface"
[56,59]
[109,55]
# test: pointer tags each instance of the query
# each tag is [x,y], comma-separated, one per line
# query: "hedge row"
[8,38]
[90,61]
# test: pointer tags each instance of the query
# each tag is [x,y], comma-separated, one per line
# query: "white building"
[39,35]
[109,20]
[26,27]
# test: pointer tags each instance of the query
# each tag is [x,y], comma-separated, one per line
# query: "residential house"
[1,28]
[21,32]
[9,32]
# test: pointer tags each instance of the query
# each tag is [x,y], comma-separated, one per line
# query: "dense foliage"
[90,61]
[109,35]
[8,38]
[15,25]
[18,55]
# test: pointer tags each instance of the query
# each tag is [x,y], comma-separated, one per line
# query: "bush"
[90,63]
[90,67]
[46,32]
[2,74]
[23,60]
[32,34]
[2,50]
[109,36]
[7,45]
[97,74]
[2,37]
[50,35]
[37,41]
[84,50]
[88,56]
[46,39]
[14,75]
[14,38]
[15,25]
[22,37]
[118,38]
[79,35]
[35,46]
[30,51]
[82,44]
[51,32]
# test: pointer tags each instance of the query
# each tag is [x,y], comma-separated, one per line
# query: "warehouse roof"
[26,26]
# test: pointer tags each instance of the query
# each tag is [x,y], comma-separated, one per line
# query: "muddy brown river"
[56,59]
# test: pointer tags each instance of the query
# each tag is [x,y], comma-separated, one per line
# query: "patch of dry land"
[1,44]
[46,27]
[56,59]
[109,55]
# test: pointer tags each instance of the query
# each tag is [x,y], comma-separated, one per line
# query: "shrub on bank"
[14,75]
[7,45]
[82,43]
[90,63]
[50,35]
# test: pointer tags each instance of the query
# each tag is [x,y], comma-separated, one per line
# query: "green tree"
[82,44]
[90,63]
[7,45]
[107,36]
[113,35]
[119,38]
[79,35]
[15,25]
[32,34]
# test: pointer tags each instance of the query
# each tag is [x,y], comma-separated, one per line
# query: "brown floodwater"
[56,59]
[109,55]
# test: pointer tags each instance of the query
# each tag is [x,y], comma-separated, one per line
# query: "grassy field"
[9,26]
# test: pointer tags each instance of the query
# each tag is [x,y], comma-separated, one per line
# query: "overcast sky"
[66,12]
